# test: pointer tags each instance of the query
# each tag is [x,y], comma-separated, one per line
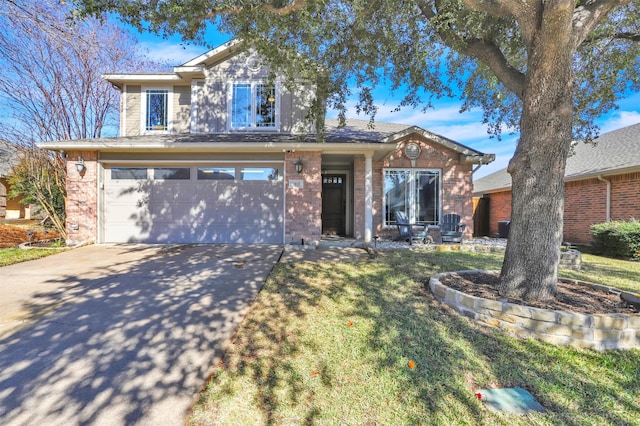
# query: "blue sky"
[444,119]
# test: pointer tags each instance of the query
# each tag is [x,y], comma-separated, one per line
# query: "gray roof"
[8,157]
[354,132]
[614,152]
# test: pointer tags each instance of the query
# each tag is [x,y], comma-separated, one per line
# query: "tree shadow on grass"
[297,355]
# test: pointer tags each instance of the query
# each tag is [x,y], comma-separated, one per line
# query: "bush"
[617,239]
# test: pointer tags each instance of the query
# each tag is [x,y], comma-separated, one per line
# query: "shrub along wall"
[617,239]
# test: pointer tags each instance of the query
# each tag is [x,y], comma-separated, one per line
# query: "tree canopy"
[51,89]
[544,67]
[473,49]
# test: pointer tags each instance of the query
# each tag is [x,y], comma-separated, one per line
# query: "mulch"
[13,236]
[571,297]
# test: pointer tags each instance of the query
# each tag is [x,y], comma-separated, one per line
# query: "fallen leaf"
[411,365]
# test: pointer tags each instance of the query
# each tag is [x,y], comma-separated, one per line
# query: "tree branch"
[496,8]
[492,57]
[585,18]
[482,50]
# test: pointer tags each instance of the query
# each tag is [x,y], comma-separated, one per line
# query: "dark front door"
[333,204]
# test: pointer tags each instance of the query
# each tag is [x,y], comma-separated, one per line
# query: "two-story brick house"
[214,152]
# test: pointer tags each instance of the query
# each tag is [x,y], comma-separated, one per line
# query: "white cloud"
[620,119]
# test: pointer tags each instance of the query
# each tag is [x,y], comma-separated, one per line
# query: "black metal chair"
[452,228]
[406,230]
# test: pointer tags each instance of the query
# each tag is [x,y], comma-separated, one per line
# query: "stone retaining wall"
[598,331]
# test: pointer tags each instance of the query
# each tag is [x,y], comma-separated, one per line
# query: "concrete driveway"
[120,334]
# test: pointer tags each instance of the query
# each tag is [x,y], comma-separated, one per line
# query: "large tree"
[544,67]
[51,89]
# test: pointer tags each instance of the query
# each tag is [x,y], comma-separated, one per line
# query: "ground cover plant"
[9,256]
[366,343]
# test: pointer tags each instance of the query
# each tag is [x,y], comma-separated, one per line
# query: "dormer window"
[157,110]
[253,106]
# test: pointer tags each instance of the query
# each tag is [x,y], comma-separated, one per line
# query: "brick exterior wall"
[3,198]
[585,205]
[499,209]
[358,197]
[303,205]
[456,190]
[82,197]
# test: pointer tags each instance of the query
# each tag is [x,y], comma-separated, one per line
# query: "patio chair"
[406,230]
[452,229]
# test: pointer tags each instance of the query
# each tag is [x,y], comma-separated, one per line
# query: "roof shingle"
[614,151]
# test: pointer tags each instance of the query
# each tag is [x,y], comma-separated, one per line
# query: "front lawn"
[9,256]
[366,343]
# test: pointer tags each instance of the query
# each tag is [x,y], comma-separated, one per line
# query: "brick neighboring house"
[214,153]
[602,183]
[10,208]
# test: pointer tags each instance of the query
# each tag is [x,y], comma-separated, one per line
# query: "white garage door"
[193,204]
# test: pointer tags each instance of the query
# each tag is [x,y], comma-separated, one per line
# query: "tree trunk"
[530,268]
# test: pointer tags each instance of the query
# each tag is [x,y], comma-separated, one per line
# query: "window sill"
[254,130]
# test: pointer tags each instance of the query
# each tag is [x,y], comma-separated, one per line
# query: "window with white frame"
[253,106]
[415,192]
[157,102]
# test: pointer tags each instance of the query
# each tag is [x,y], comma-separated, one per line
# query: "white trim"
[213,52]
[141,77]
[123,111]
[252,127]
[412,191]
[189,70]
[143,110]
[368,197]
[100,202]
[193,162]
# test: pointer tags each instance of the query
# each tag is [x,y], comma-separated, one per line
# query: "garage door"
[193,204]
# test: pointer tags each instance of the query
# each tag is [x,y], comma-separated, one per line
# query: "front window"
[157,109]
[415,192]
[253,105]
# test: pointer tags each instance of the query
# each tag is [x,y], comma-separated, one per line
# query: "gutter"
[608,200]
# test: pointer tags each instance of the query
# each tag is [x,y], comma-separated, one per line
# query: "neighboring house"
[214,153]
[10,208]
[602,183]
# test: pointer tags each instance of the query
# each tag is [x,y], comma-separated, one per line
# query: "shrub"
[617,239]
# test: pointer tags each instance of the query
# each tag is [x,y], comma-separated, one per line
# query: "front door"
[334,204]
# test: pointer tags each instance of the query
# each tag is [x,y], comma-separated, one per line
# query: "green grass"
[9,256]
[330,343]
[622,274]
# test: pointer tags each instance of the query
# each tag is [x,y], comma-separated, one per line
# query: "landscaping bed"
[12,235]
[572,296]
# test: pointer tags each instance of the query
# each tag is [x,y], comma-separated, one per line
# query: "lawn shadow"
[452,355]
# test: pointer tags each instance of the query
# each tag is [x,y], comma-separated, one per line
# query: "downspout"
[608,207]
[476,168]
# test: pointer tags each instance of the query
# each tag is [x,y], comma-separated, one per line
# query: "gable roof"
[356,137]
[614,152]
[183,73]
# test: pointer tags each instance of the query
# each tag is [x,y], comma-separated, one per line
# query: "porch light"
[298,165]
[80,166]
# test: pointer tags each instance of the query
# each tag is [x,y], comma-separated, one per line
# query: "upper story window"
[157,103]
[254,106]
